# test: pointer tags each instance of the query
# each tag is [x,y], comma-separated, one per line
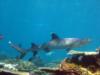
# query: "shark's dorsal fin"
[54,36]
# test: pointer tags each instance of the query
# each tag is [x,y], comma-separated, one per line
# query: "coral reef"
[25,66]
[6,72]
[80,63]
[19,68]
[89,60]
[19,65]
[63,69]
[68,68]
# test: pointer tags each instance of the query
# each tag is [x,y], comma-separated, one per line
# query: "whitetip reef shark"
[55,43]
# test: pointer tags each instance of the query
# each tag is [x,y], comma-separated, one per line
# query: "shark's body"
[65,43]
[54,43]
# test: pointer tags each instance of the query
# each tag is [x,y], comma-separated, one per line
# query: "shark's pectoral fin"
[34,55]
[54,36]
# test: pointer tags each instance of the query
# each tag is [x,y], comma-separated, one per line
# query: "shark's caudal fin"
[19,49]
[54,36]
[34,49]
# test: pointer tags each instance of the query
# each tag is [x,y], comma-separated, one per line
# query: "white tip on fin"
[9,42]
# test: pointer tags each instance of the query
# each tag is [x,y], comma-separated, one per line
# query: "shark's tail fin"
[34,49]
[19,49]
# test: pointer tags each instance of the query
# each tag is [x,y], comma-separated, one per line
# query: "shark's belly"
[57,45]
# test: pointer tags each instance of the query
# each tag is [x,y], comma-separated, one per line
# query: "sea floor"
[11,66]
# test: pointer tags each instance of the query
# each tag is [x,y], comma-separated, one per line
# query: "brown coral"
[64,69]
[92,62]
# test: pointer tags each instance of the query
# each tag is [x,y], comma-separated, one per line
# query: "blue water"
[26,21]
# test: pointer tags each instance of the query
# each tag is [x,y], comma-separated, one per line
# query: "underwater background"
[26,21]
